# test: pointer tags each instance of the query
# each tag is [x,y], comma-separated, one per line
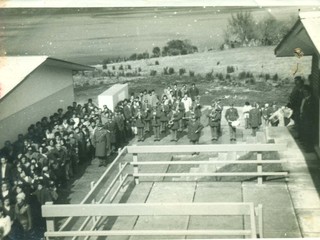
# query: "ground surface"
[257,61]
[291,208]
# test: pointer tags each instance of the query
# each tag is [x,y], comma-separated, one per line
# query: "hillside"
[256,61]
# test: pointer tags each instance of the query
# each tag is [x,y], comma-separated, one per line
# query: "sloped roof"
[14,69]
[311,22]
[304,34]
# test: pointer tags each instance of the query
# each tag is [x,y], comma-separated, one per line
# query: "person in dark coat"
[307,120]
[163,115]
[112,126]
[120,130]
[194,130]
[197,109]
[232,117]
[193,92]
[214,122]
[295,99]
[173,125]
[140,124]
[155,122]
[23,216]
[127,113]
[99,140]
[146,109]
[6,171]
[254,119]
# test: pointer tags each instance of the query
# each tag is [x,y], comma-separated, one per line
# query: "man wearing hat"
[214,122]
[99,141]
[155,122]
[140,124]
[232,117]
[194,130]
[254,118]
[173,125]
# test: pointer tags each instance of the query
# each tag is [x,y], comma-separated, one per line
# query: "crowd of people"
[39,163]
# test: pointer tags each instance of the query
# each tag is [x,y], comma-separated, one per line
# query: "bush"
[133,57]
[156,62]
[252,81]
[209,75]
[113,67]
[165,71]
[242,75]
[191,73]
[129,74]
[121,67]
[153,72]
[267,76]
[275,77]
[129,66]
[182,71]
[249,75]
[104,66]
[139,69]
[220,76]
[230,69]
[228,77]
[171,71]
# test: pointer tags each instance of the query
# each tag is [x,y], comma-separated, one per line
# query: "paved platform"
[291,208]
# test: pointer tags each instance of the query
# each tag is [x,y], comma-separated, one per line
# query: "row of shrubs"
[211,75]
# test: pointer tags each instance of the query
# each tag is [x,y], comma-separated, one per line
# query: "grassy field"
[258,60]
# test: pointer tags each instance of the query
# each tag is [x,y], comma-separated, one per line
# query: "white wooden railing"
[50,212]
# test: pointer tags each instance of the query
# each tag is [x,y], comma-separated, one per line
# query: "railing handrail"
[147,209]
[153,209]
[238,232]
[93,191]
[206,148]
[216,162]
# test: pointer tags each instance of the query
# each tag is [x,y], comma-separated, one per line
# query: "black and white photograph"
[159,120]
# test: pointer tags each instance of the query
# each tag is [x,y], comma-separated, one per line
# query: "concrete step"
[251,140]
[261,137]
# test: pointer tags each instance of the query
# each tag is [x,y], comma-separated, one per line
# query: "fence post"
[49,221]
[259,168]
[260,220]
[121,176]
[94,220]
[135,168]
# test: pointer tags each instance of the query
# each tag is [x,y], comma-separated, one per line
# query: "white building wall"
[44,81]
[41,94]
[19,122]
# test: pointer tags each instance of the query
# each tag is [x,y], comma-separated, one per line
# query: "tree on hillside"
[241,27]
[178,47]
[270,31]
[156,52]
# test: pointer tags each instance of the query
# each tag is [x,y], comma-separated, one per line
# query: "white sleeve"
[6,226]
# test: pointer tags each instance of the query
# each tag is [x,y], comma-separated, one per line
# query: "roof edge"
[86,67]
[287,35]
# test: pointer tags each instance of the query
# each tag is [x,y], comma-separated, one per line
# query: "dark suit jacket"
[8,175]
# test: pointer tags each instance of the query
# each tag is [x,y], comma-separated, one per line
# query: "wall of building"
[18,122]
[44,81]
[315,82]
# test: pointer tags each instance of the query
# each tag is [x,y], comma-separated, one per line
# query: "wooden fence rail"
[258,148]
[50,212]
